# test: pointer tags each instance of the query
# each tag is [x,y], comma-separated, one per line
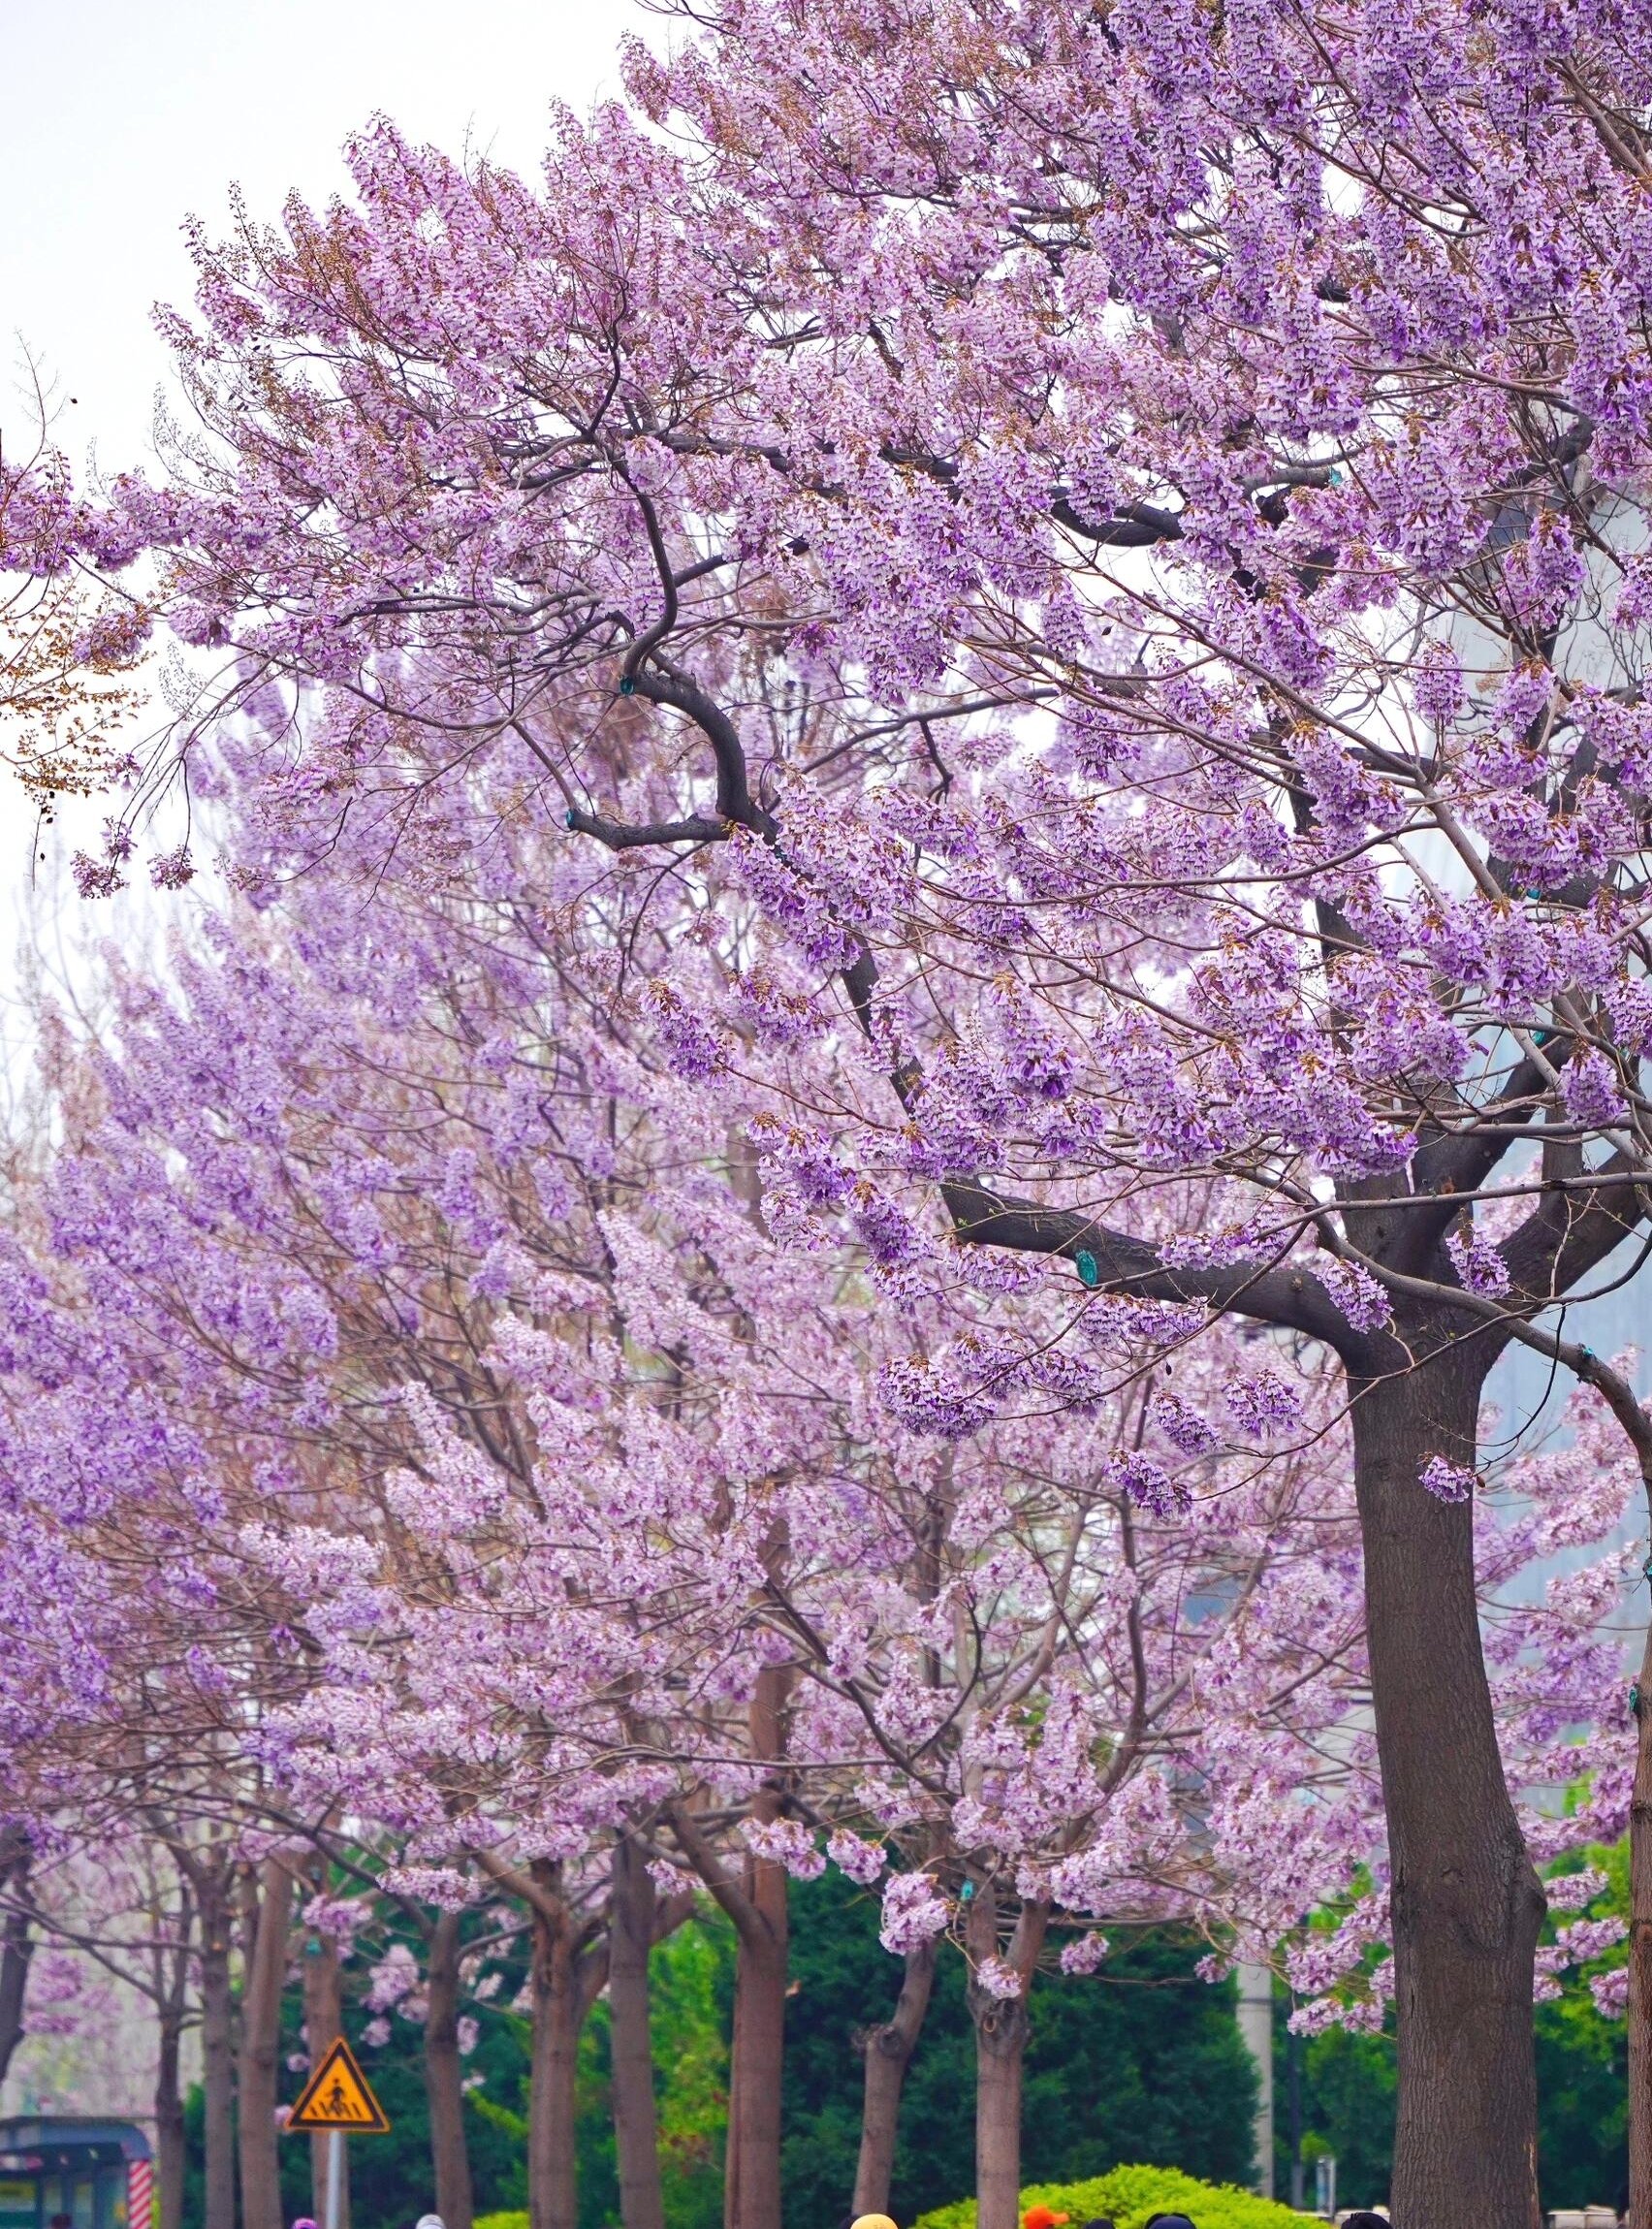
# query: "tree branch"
[749,1922]
[1290,1297]
[1569,1234]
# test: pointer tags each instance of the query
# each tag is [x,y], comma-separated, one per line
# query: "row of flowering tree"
[470,1466]
[1074,580]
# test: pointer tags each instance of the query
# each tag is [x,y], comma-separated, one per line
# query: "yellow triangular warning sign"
[337,2096]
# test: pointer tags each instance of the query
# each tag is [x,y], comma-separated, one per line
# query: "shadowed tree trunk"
[16,1943]
[751,2194]
[1000,2048]
[753,2190]
[169,2147]
[755,1901]
[888,2050]
[553,2164]
[172,2005]
[636,2123]
[261,2049]
[217,2044]
[449,2157]
[1467,1904]
[569,1968]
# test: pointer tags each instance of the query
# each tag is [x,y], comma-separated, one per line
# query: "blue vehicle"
[58,2171]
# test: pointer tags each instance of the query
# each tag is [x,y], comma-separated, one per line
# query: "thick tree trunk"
[553,2169]
[16,1943]
[1000,2048]
[888,2050]
[1467,1904]
[168,2119]
[444,2082]
[751,2178]
[567,1981]
[217,2049]
[636,2123]
[172,1966]
[1640,1956]
[260,2049]
[751,2198]
[324,2024]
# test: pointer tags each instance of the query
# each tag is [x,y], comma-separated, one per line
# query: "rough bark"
[261,2049]
[751,2180]
[444,2080]
[168,2123]
[324,2024]
[217,2049]
[568,1975]
[172,2004]
[636,2124]
[1640,2215]
[888,2051]
[1000,2049]
[16,1942]
[1467,1904]
[552,2176]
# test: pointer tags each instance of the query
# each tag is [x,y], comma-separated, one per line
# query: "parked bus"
[58,2171]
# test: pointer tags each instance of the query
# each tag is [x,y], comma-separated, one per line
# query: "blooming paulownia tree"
[1106,545]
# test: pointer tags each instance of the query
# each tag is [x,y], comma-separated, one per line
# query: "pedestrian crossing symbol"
[337,2096]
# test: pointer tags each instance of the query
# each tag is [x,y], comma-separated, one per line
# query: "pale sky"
[123,117]
[126,116]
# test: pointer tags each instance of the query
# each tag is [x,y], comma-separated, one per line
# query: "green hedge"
[1131,2196]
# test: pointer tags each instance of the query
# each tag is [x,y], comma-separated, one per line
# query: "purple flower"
[1592,1091]
[1264,1405]
[1147,1484]
[1182,1425]
[1478,1263]
[1446,1481]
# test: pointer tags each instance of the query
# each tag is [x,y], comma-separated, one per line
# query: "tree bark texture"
[171,2003]
[444,2081]
[568,1979]
[553,2171]
[1000,2049]
[1467,1904]
[324,2024]
[751,2177]
[1639,2215]
[261,2049]
[636,2122]
[217,2048]
[168,2122]
[888,2050]
[16,1943]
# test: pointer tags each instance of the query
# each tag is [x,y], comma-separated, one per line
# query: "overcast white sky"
[124,117]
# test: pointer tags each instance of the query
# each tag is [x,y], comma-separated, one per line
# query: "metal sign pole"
[335,2178]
